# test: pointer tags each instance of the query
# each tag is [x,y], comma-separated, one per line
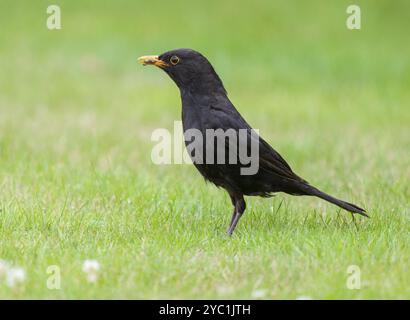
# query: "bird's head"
[189,69]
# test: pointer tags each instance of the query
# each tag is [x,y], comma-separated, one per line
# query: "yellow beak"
[152,60]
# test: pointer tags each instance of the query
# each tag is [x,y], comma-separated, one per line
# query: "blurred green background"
[77,181]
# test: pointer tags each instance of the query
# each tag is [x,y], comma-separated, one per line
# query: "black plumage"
[205,105]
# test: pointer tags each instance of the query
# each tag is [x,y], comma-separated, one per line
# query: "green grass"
[77,181]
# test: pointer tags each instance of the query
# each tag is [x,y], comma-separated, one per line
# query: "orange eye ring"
[174,60]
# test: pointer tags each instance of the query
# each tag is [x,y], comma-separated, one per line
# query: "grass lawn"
[77,181]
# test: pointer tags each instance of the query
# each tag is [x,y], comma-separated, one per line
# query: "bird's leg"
[234,211]
[240,207]
[232,219]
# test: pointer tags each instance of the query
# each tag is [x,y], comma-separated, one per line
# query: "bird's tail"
[312,191]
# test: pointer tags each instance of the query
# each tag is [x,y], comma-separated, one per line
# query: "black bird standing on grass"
[205,105]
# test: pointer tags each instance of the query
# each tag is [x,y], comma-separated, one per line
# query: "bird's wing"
[270,161]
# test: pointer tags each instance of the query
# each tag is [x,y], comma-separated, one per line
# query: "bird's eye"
[174,60]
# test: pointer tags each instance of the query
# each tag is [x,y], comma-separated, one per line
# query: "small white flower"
[259,293]
[91,268]
[15,276]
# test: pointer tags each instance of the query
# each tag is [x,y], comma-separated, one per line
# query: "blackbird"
[206,106]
